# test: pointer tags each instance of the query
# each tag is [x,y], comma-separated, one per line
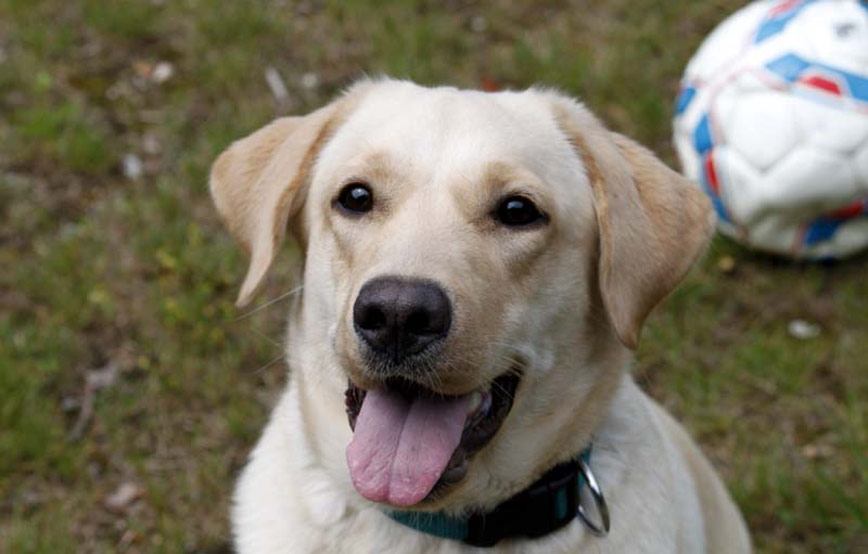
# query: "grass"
[102,271]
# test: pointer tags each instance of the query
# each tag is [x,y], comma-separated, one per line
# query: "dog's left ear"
[653,223]
[259,183]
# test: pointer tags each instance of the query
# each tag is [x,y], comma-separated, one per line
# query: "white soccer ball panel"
[690,162]
[725,43]
[837,32]
[860,166]
[772,233]
[738,190]
[762,128]
[830,128]
[850,238]
[726,102]
[810,181]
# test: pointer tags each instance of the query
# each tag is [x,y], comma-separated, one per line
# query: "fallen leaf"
[276,84]
[726,264]
[817,451]
[143,69]
[120,500]
[489,84]
[803,330]
[162,72]
[310,81]
[132,167]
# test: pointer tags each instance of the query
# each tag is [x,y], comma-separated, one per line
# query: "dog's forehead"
[441,128]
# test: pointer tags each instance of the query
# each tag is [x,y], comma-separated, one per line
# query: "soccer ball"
[772,121]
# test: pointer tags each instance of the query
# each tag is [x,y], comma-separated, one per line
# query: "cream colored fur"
[567,299]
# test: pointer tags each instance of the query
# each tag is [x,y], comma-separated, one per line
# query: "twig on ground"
[95,381]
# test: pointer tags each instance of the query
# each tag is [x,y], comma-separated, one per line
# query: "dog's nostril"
[418,323]
[372,319]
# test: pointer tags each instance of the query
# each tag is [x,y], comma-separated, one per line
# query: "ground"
[132,388]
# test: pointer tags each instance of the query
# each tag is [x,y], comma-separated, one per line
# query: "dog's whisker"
[271,302]
[262,369]
[515,348]
[503,391]
[262,335]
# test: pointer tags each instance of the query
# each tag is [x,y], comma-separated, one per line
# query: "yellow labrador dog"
[477,269]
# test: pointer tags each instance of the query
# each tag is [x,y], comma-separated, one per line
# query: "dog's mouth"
[411,443]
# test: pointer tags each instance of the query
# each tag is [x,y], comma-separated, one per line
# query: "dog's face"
[452,226]
[472,261]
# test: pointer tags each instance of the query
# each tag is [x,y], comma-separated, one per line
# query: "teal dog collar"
[549,504]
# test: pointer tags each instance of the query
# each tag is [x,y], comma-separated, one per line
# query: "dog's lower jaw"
[485,412]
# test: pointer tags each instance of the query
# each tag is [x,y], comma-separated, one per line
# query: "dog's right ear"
[260,182]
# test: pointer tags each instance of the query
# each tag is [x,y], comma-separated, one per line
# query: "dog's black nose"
[399,317]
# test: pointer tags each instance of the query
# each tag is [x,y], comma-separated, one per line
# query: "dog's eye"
[356,198]
[518,211]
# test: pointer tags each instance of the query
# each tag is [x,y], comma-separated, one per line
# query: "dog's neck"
[547,505]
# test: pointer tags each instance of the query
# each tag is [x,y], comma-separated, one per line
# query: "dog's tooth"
[474,402]
[486,404]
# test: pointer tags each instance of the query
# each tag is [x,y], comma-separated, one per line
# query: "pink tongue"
[400,447]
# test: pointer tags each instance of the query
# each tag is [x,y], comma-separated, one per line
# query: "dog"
[477,268]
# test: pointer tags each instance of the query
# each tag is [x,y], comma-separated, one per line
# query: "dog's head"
[477,266]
